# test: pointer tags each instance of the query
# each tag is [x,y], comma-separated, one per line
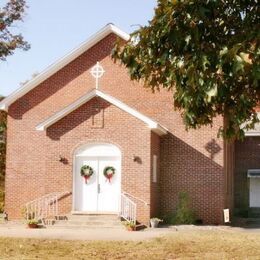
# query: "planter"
[155,222]
[33,225]
[131,228]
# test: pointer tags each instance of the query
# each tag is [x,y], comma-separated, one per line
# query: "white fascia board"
[52,69]
[125,36]
[160,130]
[252,133]
[67,110]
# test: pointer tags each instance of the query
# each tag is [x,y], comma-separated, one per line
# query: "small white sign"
[226,215]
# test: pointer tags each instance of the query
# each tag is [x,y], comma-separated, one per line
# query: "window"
[155,165]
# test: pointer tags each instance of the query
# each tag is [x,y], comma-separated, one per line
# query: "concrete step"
[85,227]
[80,223]
[92,217]
[87,221]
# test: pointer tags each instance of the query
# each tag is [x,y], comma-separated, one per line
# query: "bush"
[184,214]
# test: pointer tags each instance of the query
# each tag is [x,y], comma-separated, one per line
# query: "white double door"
[98,194]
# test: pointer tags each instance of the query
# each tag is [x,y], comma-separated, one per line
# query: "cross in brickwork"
[97,72]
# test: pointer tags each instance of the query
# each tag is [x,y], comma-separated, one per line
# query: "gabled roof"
[52,69]
[96,93]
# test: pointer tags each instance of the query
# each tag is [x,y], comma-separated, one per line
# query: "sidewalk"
[105,234]
[111,234]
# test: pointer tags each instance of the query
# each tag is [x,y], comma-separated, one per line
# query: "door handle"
[98,188]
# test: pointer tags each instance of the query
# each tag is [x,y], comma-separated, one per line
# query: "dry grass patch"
[179,245]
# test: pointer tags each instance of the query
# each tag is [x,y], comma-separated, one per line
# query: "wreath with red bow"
[109,172]
[86,172]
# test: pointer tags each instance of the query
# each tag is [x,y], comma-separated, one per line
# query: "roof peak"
[59,64]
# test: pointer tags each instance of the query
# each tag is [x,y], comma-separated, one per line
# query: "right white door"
[109,190]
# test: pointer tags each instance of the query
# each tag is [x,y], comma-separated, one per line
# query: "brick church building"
[84,130]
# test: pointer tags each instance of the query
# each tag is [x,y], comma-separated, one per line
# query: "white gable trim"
[96,93]
[52,69]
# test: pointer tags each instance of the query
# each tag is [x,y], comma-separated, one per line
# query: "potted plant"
[130,225]
[32,223]
[155,222]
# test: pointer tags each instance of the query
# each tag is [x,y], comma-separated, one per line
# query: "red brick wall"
[191,161]
[185,168]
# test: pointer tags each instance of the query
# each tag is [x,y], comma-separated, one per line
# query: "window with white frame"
[155,166]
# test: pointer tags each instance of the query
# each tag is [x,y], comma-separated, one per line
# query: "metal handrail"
[44,206]
[136,198]
[128,209]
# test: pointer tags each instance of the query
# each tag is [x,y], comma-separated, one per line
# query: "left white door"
[86,196]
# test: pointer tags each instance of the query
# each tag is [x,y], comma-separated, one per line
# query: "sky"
[54,27]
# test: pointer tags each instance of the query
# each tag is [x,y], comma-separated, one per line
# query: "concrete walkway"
[111,234]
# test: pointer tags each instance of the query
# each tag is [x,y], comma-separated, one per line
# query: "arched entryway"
[97,194]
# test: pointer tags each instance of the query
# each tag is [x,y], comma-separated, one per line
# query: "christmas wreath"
[86,172]
[109,172]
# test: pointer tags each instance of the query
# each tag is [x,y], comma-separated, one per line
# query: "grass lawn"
[179,245]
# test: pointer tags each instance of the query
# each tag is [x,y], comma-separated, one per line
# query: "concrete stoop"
[85,221]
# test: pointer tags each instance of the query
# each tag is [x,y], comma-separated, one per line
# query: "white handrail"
[128,209]
[136,198]
[45,206]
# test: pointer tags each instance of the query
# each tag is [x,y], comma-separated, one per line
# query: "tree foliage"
[207,53]
[11,13]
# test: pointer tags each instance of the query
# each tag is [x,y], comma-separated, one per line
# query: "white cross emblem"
[97,72]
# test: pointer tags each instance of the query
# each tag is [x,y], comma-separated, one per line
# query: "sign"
[226,215]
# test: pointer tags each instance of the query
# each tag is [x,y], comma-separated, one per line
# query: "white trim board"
[52,69]
[155,126]
[252,133]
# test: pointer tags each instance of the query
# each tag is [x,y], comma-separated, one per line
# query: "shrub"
[184,214]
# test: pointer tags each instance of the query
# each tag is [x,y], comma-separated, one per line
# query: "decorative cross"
[97,72]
